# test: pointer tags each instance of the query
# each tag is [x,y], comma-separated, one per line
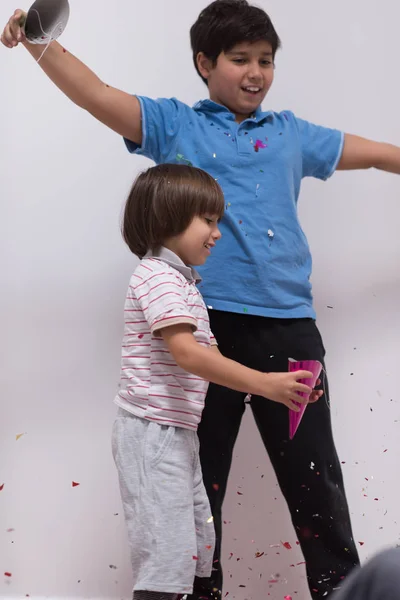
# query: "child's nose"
[217,234]
[254,70]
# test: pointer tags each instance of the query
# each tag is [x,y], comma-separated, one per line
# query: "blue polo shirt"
[262,264]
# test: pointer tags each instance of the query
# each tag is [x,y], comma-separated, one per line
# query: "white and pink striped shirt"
[162,292]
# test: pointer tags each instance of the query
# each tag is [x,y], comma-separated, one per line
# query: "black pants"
[315,497]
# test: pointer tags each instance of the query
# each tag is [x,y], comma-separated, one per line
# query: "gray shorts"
[168,516]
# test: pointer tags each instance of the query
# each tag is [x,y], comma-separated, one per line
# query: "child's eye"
[239,61]
[208,221]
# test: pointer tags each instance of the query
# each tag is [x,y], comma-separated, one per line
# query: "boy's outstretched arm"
[360,153]
[213,366]
[116,109]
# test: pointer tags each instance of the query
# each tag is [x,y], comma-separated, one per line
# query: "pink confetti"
[259,144]
[216,486]
[286,545]
[195,557]
[288,598]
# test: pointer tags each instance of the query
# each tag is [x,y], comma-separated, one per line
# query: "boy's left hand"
[316,394]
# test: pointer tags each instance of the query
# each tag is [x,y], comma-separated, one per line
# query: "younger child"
[168,356]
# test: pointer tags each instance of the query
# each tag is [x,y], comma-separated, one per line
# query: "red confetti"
[74,484]
[208,547]
[286,545]
[385,451]
[1,487]
[259,554]
[64,50]
[377,499]
[195,557]
[239,493]
[140,336]
[361,543]
[7,574]
[216,486]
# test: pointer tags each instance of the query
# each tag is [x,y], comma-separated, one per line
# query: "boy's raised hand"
[13,33]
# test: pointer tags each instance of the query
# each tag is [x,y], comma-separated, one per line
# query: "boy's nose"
[217,234]
[254,72]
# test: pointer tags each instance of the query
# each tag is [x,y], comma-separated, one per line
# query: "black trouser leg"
[307,468]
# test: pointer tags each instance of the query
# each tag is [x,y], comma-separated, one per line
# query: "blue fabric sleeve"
[161,123]
[321,149]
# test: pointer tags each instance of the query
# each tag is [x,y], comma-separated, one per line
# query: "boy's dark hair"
[163,202]
[225,23]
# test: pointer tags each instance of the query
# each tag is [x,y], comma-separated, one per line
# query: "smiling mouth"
[252,89]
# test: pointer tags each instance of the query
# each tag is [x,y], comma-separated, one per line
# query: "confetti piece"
[181,158]
[112,567]
[208,547]
[75,484]
[195,557]
[286,545]
[7,574]
[64,50]
[259,145]
[1,487]
[215,485]
[210,520]
[259,554]
[18,436]
[361,543]
[141,336]
[10,530]
[287,598]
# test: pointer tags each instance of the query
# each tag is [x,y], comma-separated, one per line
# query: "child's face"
[241,78]
[194,245]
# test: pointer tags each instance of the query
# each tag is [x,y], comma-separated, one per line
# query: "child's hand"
[285,388]
[13,32]
[316,394]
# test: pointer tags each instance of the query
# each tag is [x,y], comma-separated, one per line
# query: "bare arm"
[116,109]
[360,153]
[212,366]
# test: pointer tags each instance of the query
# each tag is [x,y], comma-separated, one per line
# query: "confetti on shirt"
[259,145]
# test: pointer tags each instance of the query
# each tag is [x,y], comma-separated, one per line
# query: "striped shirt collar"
[173,260]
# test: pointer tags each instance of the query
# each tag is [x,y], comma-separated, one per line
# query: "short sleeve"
[321,149]
[161,123]
[162,298]
[213,341]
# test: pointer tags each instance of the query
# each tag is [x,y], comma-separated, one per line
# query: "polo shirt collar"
[210,106]
[174,261]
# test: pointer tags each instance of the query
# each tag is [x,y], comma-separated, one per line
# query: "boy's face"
[194,245]
[241,78]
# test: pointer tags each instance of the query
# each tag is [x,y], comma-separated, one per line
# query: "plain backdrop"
[64,272]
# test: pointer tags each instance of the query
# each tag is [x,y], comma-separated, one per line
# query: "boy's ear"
[204,65]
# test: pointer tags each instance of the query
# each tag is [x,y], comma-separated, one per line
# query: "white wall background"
[64,272]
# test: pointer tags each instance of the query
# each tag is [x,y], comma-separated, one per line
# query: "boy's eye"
[239,61]
[208,221]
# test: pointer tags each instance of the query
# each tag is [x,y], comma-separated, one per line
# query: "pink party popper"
[315,367]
